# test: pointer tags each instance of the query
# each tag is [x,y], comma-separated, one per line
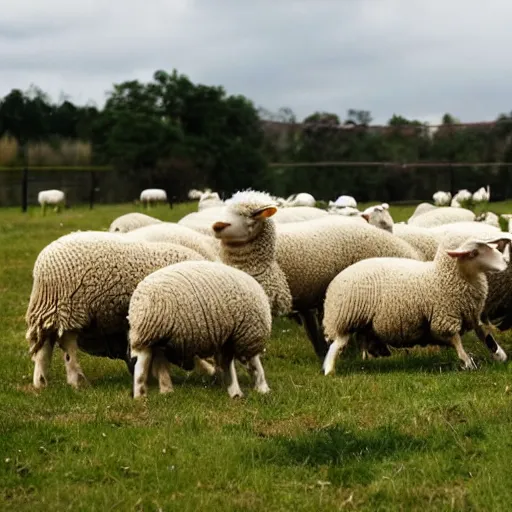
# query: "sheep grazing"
[439,216]
[248,242]
[151,196]
[343,202]
[194,194]
[55,198]
[209,199]
[482,195]
[302,199]
[197,310]
[404,303]
[460,198]
[442,198]
[312,253]
[82,284]
[130,221]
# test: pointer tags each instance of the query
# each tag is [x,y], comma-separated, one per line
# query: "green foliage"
[411,432]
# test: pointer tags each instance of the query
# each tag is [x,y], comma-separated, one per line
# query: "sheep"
[423,240]
[202,221]
[171,232]
[379,216]
[405,302]
[299,213]
[130,221]
[489,218]
[312,253]
[194,194]
[442,198]
[198,309]
[55,198]
[248,242]
[439,216]
[421,209]
[153,195]
[482,195]
[344,202]
[462,196]
[302,199]
[209,200]
[347,211]
[82,283]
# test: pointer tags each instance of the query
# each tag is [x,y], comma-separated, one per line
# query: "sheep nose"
[219,226]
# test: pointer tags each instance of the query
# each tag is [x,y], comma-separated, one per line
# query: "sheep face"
[475,256]
[237,227]
[379,217]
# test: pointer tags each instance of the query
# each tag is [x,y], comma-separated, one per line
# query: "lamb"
[198,309]
[440,216]
[55,198]
[209,199]
[248,242]
[153,195]
[302,199]
[171,232]
[130,221]
[312,253]
[405,303]
[82,283]
[442,198]
[299,213]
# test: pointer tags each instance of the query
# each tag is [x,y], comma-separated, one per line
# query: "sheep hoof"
[263,388]
[79,381]
[40,383]
[470,365]
[500,355]
[235,393]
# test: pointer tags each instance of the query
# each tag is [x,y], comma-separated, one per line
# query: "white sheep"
[55,198]
[131,221]
[202,221]
[489,218]
[82,283]
[439,216]
[198,309]
[298,214]
[421,209]
[482,195]
[344,202]
[442,198]
[209,200]
[194,194]
[153,195]
[302,199]
[461,196]
[347,211]
[405,302]
[379,216]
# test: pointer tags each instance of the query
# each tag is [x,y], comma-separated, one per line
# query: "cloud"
[409,57]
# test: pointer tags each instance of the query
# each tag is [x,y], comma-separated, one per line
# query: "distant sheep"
[344,202]
[153,195]
[482,195]
[130,221]
[460,197]
[442,198]
[302,199]
[194,194]
[209,199]
[55,198]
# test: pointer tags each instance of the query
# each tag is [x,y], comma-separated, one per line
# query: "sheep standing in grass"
[151,196]
[82,284]
[55,198]
[405,303]
[460,198]
[198,309]
[442,198]
[130,221]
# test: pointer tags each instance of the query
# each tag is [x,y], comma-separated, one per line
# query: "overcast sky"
[418,58]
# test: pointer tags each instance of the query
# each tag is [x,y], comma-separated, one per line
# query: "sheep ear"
[461,253]
[366,216]
[264,213]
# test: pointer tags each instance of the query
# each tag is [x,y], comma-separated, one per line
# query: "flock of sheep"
[202,292]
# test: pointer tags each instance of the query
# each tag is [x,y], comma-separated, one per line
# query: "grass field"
[411,432]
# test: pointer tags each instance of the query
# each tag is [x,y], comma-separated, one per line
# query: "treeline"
[178,135]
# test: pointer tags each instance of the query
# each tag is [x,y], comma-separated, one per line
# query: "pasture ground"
[411,432]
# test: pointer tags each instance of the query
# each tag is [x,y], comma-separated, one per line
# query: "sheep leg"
[160,369]
[484,334]
[42,359]
[330,359]
[231,378]
[141,371]
[310,321]
[203,366]
[456,343]
[75,375]
[255,367]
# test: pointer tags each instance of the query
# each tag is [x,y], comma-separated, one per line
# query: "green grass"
[410,432]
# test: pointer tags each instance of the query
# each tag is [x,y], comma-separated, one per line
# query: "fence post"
[24,190]
[92,190]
